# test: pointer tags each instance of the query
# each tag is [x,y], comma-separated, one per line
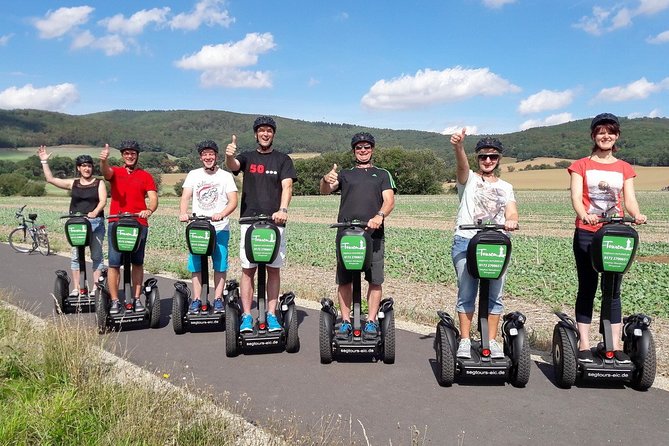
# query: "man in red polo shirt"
[130,187]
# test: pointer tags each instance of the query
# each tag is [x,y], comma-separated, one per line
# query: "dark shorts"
[374,274]
[136,258]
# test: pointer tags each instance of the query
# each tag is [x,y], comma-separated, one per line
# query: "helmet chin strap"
[369,161]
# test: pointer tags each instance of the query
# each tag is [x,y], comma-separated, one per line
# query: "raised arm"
[106,170]
[44,160]
[461,162]
[231,155]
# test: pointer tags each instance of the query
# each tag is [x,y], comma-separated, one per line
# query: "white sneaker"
[464,348]
[74,292]
[496,351]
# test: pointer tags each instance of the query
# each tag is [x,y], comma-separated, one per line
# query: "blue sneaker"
[344,330]
[371,329]
[247,323]
[194,307]
[218,305]
[273,323]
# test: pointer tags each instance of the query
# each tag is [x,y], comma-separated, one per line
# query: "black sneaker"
[585,356]
[137,304]
[622,357]
[115,307]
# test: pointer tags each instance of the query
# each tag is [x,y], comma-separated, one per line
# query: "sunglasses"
[492,156]
[363,147]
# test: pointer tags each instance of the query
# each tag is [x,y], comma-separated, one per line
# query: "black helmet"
[84,159]
[603,118]
[264,120]
[490,143]
[362,137]
[208,144]
[129,144]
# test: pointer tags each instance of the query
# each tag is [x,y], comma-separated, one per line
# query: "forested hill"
[644,141]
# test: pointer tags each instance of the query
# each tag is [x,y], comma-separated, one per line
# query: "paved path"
[387,399]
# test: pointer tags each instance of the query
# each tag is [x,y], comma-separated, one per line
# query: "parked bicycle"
[29,237]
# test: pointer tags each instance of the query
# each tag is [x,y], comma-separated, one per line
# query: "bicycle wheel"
[20,240]
[42,238]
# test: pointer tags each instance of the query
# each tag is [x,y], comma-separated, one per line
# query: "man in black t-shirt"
[367,194]
[267,189]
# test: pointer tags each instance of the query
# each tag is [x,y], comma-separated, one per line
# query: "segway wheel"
[60,293]
[231,331]
[292,337]
[644,373]
[388,337]
[564,360]
[154,308]
[178,312]
[520,370]
[102,310]
[445,358]
[325,334]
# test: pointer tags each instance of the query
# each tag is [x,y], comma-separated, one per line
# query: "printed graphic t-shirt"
[602,187]
[210,193]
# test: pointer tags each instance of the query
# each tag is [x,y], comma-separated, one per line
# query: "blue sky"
[493,66]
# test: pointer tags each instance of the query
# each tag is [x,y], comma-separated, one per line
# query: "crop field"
[419,235]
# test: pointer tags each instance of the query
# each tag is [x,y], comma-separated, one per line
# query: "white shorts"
[280,256]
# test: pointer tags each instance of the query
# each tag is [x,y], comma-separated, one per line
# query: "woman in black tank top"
[89,197]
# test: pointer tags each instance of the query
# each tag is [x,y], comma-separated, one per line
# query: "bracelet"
[283,210]
[43,161]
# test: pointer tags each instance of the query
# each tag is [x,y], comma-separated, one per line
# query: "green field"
[418,243]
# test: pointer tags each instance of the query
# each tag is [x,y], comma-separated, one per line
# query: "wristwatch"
[283,210]
[382,214]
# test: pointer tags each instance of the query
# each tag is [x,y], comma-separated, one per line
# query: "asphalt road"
[386,399]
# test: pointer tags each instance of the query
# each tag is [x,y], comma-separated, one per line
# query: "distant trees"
[415,172]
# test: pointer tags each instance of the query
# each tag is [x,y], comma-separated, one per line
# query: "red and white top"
[602,187]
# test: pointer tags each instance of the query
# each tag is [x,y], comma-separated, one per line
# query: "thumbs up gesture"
[331,177]
[457,139]
[104,154]
[231,149]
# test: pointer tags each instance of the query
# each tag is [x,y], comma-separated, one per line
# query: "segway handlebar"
[199,217]
[125,214]
[616,219]
[349,224]
[255,218]
[74,214]
[480,226]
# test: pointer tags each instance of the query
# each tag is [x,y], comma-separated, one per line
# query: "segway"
[354,253]
[613,249]
[125,239]
[262,246]
[78,232]
[488,255]
[201,241]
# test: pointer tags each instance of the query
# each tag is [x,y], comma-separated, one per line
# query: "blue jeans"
[468,285]
[220,255]
[97,237]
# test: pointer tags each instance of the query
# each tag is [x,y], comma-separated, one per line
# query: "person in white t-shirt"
[213,193]
[483,196]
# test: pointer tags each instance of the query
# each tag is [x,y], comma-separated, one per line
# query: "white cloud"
[111,45]
[59,22]
[654,113]
[313,82]
[606,20]
[650,7]
[663,37]
[470,129]
[546,100]
[496,4]
[4,40]
[639,89]
[220,63]
[54,97]
[136,23]
[559,118]
[431,87]
[209,12]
